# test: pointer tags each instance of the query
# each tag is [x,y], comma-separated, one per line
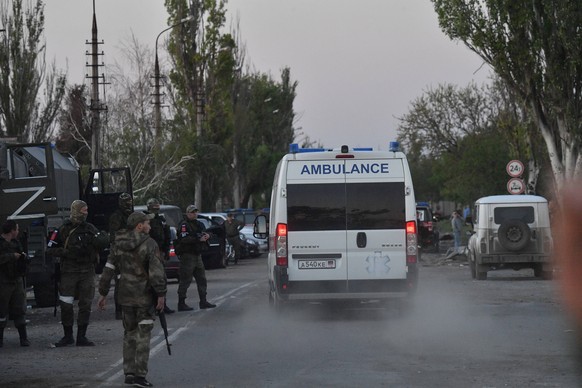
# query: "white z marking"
[37,191]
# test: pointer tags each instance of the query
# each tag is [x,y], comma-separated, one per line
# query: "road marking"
[158,342]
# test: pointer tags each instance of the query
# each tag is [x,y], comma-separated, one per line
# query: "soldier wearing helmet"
[76,246]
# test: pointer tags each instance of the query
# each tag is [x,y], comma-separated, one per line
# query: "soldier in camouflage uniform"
[117,222]
[13,264]
[160,232]
[73,243]
[190,242]
[142,290]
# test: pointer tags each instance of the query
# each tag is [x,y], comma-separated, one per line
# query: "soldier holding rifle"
[13,264]
[135,256]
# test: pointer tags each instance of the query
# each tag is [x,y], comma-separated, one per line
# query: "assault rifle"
[164,325]
[162,317]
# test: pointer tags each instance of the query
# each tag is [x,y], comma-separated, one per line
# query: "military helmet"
[101,240]
[125,201]
[153,202]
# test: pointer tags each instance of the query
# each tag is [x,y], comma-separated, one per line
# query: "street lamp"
[157,95]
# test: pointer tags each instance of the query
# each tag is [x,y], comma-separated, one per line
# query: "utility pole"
[96,106]
[157,99]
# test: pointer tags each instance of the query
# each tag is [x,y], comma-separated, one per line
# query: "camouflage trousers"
[138,323]
[76,285]
[12,303]
[191,265]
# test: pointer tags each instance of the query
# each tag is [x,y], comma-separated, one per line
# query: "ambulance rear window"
[337,206]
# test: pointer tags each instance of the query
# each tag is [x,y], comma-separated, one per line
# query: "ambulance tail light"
[411,243]
[281,245]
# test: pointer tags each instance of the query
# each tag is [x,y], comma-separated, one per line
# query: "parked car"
[262,245]
[428,234]
[510,231]
[246,215]
[251,246]
[219,218]
[173,214]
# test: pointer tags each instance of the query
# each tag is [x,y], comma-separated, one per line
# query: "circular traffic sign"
[514,168]
[515,186]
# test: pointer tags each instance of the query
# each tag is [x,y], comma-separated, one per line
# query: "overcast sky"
[359,64]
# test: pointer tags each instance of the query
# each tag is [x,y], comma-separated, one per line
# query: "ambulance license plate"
[316,264]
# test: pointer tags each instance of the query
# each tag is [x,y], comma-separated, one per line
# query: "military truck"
[37,187]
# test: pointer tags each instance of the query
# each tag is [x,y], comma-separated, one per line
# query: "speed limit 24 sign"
[514,168]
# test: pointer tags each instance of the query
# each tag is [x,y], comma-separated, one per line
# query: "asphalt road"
[508,331]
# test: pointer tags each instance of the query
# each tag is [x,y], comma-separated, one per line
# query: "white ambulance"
[342,226]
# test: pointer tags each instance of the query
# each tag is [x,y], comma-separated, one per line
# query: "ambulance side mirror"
[261,227]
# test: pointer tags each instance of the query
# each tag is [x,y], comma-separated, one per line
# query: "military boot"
[204,304]
[23,336]
[168,310]
[182,306]
[67,339]
[81,339]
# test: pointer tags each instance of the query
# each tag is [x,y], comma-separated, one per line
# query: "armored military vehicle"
[37,187]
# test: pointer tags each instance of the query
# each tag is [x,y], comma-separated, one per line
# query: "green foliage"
[477,170]
[459,140]
[239,124]
[22,73]
[535,47]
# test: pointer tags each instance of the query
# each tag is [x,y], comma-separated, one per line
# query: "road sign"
[515,186]
[514,168]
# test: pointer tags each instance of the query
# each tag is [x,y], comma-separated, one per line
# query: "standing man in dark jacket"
[73,243]
[232,227]
[191,242]
[160,232]
[13,264]
[117,222]
[142,286]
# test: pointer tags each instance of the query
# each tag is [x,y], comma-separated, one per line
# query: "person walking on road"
[73,243]
[191,241]
[232,229]
[13,263]
[142,285]
[457,226]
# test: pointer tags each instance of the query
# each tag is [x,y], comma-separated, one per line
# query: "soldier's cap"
[191,209]
[137,218]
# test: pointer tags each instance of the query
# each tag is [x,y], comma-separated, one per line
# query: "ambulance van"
[342,226]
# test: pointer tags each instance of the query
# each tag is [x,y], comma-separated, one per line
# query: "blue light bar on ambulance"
[294,149]
[394,146]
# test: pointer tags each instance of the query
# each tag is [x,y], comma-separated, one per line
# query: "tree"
[264,129]
[535,47]
[239,124]
[476,130]
[24,114]
[74,135]
[129,130]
